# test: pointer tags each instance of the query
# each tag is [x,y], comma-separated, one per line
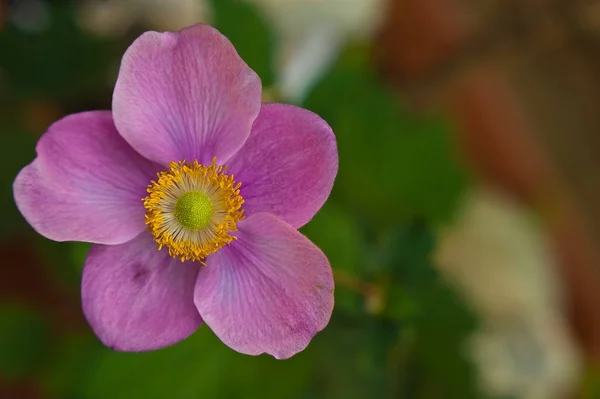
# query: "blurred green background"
[398,329]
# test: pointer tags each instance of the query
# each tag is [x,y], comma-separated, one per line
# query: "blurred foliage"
[249,34]
[591,383]
[24,340]
[18,148]
[394,165]
[60,62]
[397,330]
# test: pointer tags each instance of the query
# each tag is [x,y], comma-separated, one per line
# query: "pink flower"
[151,174]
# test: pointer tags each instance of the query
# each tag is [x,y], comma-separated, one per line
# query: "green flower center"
[194,210]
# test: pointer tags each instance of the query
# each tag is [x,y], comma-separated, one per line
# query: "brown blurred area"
[521,80]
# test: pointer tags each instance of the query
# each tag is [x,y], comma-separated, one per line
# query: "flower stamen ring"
[192,209]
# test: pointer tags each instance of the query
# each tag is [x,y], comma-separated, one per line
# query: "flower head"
[192,209]
[192,191]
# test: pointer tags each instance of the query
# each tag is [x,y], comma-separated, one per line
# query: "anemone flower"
[192,193]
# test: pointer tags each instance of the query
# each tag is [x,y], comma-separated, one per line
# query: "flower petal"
[138,298]
[185,96]
[269,291]
[86,183]
[288,165]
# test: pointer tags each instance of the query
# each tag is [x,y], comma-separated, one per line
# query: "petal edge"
[288,164]
[137,298]
[86,183]
[270,291]
[185,96]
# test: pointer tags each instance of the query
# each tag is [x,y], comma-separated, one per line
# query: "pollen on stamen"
[192,209]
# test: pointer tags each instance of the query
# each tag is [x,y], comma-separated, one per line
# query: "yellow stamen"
[192,209]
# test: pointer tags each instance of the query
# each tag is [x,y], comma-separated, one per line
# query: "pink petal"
[185,96]
[137,298]
[270,291]
[86,183]
[288,165]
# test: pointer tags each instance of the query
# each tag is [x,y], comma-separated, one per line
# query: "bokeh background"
[463,228]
